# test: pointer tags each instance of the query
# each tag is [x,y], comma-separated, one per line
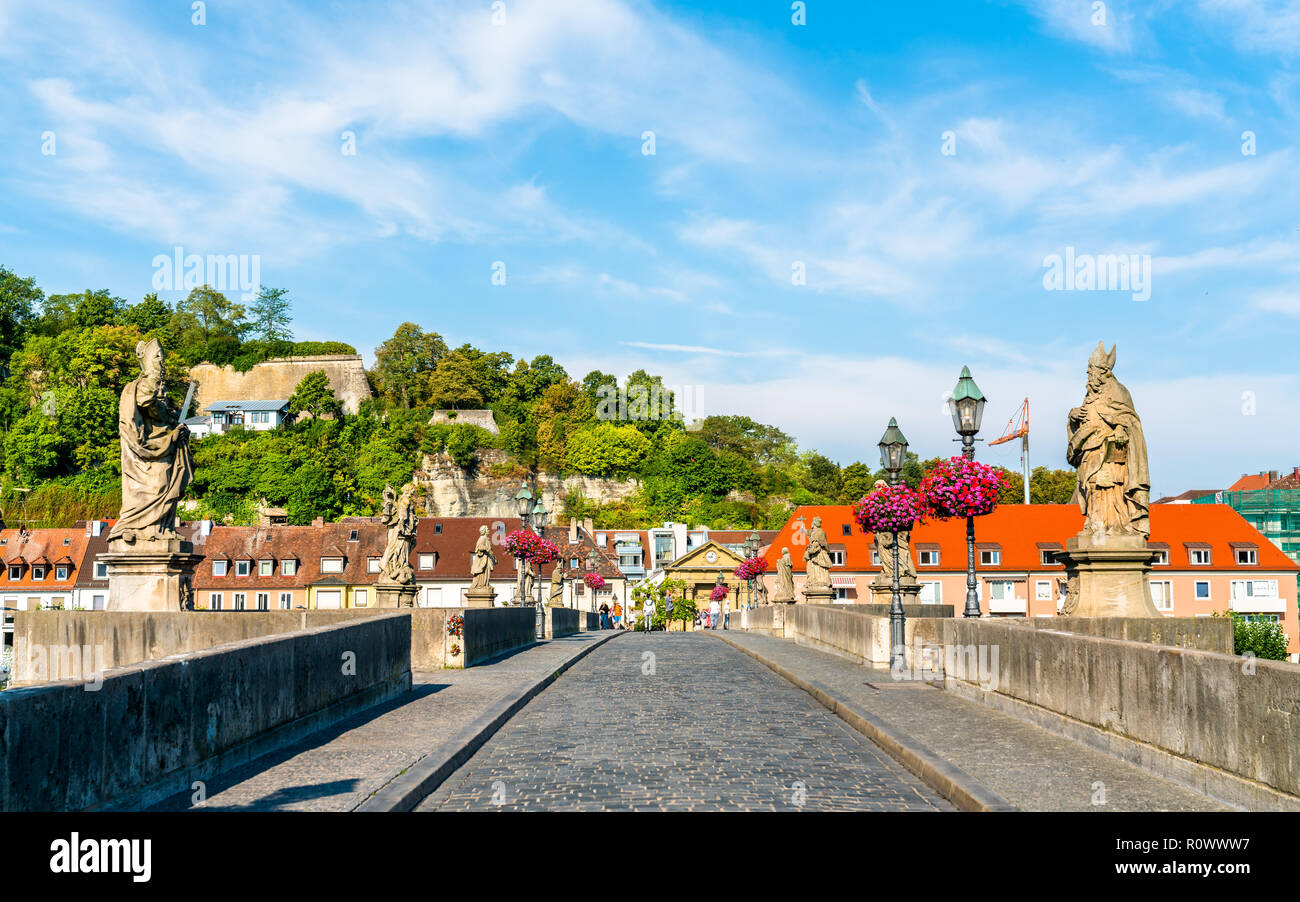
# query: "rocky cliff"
[451,492]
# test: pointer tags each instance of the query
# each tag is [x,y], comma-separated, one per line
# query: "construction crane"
[1018,427]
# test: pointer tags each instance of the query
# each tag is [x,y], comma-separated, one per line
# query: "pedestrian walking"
[618,616]
[715,610]
[604,616]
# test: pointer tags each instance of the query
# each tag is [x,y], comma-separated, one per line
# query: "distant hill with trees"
[64,360]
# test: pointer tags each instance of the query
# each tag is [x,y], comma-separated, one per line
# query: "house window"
[288,567]
[1001,590]
[1253,588]
[1162,558]
[437,529]
[1202,590]
[846,530]
[219,567]
[875,558]
[286,601]
[38,572]
[841,594]
[60,573]
[931,592]
[214,601]
[266,568]
[242,568]
[991,557]
[1247,557]
[1048,557]
[1199,557]
[67,541]
[361,598]
[928,557]
[353,536]
[16,571]
[1162,593]
[1043,590]
[837,558]
[372,565]
[331,565]
[101,570]
[426,562]
[263,601]
[97,602]
[573,563]
[239,601]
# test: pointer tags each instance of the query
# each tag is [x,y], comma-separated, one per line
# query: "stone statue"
[784,579]
[817,557]
[557,585]
[527,586]
[1106,444]
[156,462]
[400,517]
[480,568]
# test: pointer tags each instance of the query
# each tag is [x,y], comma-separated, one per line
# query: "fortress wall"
[277,378]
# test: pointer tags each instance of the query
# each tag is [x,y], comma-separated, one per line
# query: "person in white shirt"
[714,610]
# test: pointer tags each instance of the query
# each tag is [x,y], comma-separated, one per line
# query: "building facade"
[1209,559]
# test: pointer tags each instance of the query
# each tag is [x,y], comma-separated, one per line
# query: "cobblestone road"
[709,730]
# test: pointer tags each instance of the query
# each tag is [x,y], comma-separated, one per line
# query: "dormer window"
[846,530]
[991,556]
[426,562]
[1161,558]
[372,565]
[1246,554]
[15,571]
[288,567]
[266,567]
[354,535]
[242,568]
[927,557]
[219,567]
[1198,554]
[38,572]
[331,565]
[60,573]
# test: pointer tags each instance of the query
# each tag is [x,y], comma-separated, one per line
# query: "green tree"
[269,316]
[18,299]
[405,363]
[563,409]
[151,316]
[855,481]
[34,448]
[607,449]
[455,383]
[314,395]
[1261,638]
[206,315]
[741,435]
[594,382]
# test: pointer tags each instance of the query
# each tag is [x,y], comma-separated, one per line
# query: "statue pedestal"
[908,591]
[779,600]
[481,598]
[818,595]
[395,595]
[152,576]
[1108,576]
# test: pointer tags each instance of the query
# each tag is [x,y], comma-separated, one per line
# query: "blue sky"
[819,144]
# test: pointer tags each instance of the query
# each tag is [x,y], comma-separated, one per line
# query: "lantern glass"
[539,514]
[524,501]
[967,414]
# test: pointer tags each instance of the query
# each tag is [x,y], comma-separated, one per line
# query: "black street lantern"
[893,449]
[967,406]
[524,502]
[540,514]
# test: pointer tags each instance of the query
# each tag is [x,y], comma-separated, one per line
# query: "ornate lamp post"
[524,505]
[893,451]
[967,408]
[751,549]
[593,562]
[539,525]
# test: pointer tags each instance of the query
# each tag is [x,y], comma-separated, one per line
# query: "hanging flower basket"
[958,487]
[751,568]
[528,545]
[719,593]
[595,582]
[889,508]
[456,625]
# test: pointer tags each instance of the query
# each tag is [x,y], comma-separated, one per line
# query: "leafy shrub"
[1262,638]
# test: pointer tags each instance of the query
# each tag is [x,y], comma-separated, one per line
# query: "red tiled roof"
[41,546]
[454,546]
[305,544]
[1250,483]
[1018,530]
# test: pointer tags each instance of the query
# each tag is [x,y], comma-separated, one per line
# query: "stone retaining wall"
[139,733]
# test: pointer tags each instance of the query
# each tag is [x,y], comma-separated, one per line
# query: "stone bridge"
[788,709]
